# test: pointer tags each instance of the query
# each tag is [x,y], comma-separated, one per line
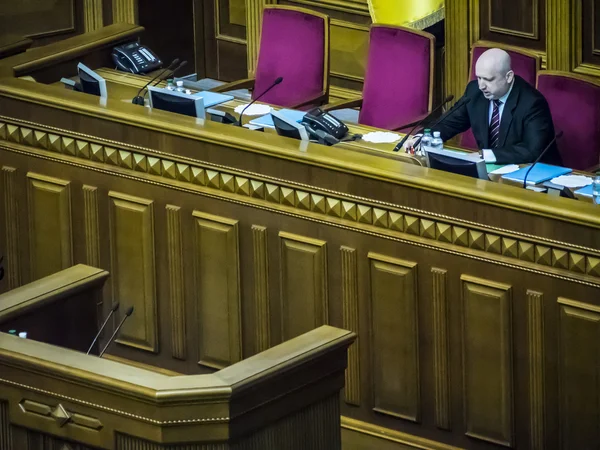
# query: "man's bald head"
[494,73]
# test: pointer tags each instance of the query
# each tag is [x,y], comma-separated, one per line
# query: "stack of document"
[541,172]
[267,120]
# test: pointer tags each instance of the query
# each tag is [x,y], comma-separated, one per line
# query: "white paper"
[572,181]
[253,110]
[510,168]
[381,137]
[488,156]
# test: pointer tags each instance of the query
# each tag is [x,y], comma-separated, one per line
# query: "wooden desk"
[476,303]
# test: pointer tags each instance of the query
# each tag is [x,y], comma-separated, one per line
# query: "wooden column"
[457,46]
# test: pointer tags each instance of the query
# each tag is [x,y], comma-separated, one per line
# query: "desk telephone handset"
[321,122]
[135,58]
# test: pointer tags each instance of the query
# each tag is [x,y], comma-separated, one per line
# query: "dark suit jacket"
[525,126]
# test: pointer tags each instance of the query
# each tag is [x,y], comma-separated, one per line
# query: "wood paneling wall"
[469,335]
[563,32]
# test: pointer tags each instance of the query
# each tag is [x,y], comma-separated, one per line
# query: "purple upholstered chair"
[575,106]
[294,44]
[524,64]
[399,76]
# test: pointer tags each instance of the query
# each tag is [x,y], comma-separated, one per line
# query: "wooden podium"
[54,397]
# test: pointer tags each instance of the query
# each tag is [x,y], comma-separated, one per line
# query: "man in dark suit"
[509,118]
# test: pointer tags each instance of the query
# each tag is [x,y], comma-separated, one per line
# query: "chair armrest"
[246,83]
[344,104]
[593,169]
[319,100]
[416,120]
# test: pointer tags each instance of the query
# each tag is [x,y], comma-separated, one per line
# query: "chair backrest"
[575,106]
[294,45]
[398,78]
[524,64]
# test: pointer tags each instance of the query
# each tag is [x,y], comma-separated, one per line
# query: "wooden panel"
[579,373]
[520,23]
[350,322]
[133,268]
[50,239]
[394,337]
[92,233]
[537,356]
[588,28]
[349,48]
[303,273]
[487,360]
[261,288]
[12,262]
[176,282]
[5,435]
[231,20]
[218,290]
[441,350]
[37,19]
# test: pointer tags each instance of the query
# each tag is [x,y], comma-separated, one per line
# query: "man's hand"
[410,142]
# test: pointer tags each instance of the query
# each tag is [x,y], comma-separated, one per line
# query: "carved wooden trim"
[558,35]
[254,12]
[12,260]
[176,282]
[350,322]
[261,289]
[535,334]
[92,15]
[441,350]
[408,225]
[125,11]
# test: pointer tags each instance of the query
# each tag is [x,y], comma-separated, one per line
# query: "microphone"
[275,83]
[176,69]
[139,100]
[557,136]
[127,314]
[112,311]
[465,101]
[424,119]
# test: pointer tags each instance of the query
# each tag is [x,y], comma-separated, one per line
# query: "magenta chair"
[524,64]
[294,45]
[575,106]
[398,87]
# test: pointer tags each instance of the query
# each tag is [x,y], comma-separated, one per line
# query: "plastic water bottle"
[170,85]
[426,141]
[437,143]
[596,189]
[179,87]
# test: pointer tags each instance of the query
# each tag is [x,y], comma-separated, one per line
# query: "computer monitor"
[468,164]
[288,127]
[177,102]
[91,82]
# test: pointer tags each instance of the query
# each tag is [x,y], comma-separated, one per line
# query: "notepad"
[213,98]
[541,172]
[267,119]
[586,191]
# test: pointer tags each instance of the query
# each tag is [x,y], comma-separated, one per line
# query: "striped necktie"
[495,125]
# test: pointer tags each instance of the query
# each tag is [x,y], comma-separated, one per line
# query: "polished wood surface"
[423,265]
[42,308]
[475,303]
[12,44]
[285,397]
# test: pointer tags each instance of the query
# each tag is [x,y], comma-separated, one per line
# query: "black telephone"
[135,58]
[322,123]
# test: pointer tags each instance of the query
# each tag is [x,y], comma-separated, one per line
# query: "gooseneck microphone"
[464,101]
[127,314]
[112,311]
[173,72]
[423,120]
[557,136]
[138,99]
[275,83]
